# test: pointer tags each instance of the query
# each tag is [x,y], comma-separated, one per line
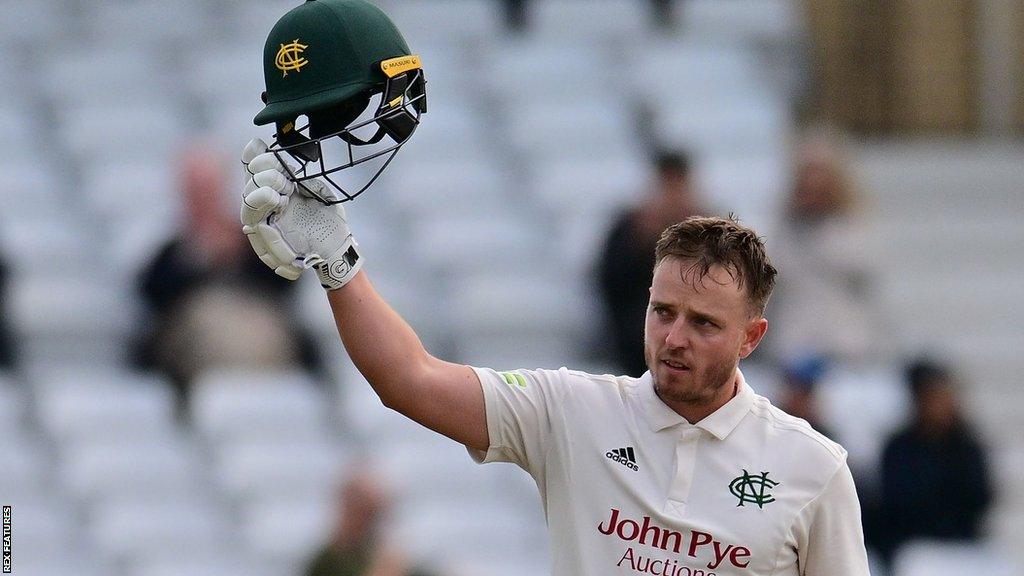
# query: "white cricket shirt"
[630,487]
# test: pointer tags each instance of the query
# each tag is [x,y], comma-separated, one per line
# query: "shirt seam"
[836,451]
[801,511]
[488,397]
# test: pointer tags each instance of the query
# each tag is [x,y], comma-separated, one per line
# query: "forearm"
[380,343]
[442,396]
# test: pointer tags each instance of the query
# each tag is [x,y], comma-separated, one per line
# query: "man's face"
[696,331]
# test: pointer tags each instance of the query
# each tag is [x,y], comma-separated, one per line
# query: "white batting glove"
[288,228]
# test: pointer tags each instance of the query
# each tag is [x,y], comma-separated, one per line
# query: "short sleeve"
[521,407]
[830,536]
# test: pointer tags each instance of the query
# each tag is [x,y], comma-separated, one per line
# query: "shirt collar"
[719,423]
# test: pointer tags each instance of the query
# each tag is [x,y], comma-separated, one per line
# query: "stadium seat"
[1008,465]
[236,62]
[114,186]
[59,561]
[73,76]
[238,404]
[434,534]
[435,468]
[763,378]
[87,324]
[12,405]
[444,186]
[526,350]
[607,20]
[1005,526]
[588,186]
[973,309]
[287,530]
[876,394]
[744,184]
[27,22]
[533,562]
[127,530]
[744,124]
[457,21]
[682,73]
[448,131]
[739,20]
[525,318]
[452,74]
[40,526]
[488,242]
[26,463]
[17,118]
[146,130]
[61,377]
[220,564]
[42,231]
[515,303]
[149,23]
[36,194]
[587,127]
[252,22]
[923,558]
[123,410]
[521,71]
[229,124]
[154,469]
[281,469]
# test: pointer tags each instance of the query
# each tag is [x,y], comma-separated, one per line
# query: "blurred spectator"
[357,546]
[935,478]
[798,396]
[624,271]
[517,13]
[212,303]
[7,351]
[823,303]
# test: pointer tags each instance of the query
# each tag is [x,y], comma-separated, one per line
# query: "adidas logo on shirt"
[624,456]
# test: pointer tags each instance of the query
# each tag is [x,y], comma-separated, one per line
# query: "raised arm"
[291,231]
[442,396]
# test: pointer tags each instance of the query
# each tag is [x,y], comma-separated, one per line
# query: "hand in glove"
[288,228]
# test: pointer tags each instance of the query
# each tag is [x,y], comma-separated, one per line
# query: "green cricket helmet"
[327,60]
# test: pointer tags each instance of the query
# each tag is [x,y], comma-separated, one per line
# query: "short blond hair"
[723,241]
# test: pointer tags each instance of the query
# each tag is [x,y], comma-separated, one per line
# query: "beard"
[697,386]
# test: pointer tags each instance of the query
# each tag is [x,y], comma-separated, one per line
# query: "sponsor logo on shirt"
[624,456]
[685,543]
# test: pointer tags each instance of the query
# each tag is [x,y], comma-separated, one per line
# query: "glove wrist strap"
[340,267]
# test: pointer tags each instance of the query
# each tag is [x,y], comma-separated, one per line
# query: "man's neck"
[694,412]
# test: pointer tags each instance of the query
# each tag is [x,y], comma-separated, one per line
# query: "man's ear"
[755,330]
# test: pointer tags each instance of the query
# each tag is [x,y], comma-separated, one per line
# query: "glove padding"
[288,228]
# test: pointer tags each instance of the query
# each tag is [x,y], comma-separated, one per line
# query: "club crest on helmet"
[289,57]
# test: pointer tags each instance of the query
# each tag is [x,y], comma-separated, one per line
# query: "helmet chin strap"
[357,141]
[299,145]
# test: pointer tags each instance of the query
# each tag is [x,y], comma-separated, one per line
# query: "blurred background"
[168,406]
